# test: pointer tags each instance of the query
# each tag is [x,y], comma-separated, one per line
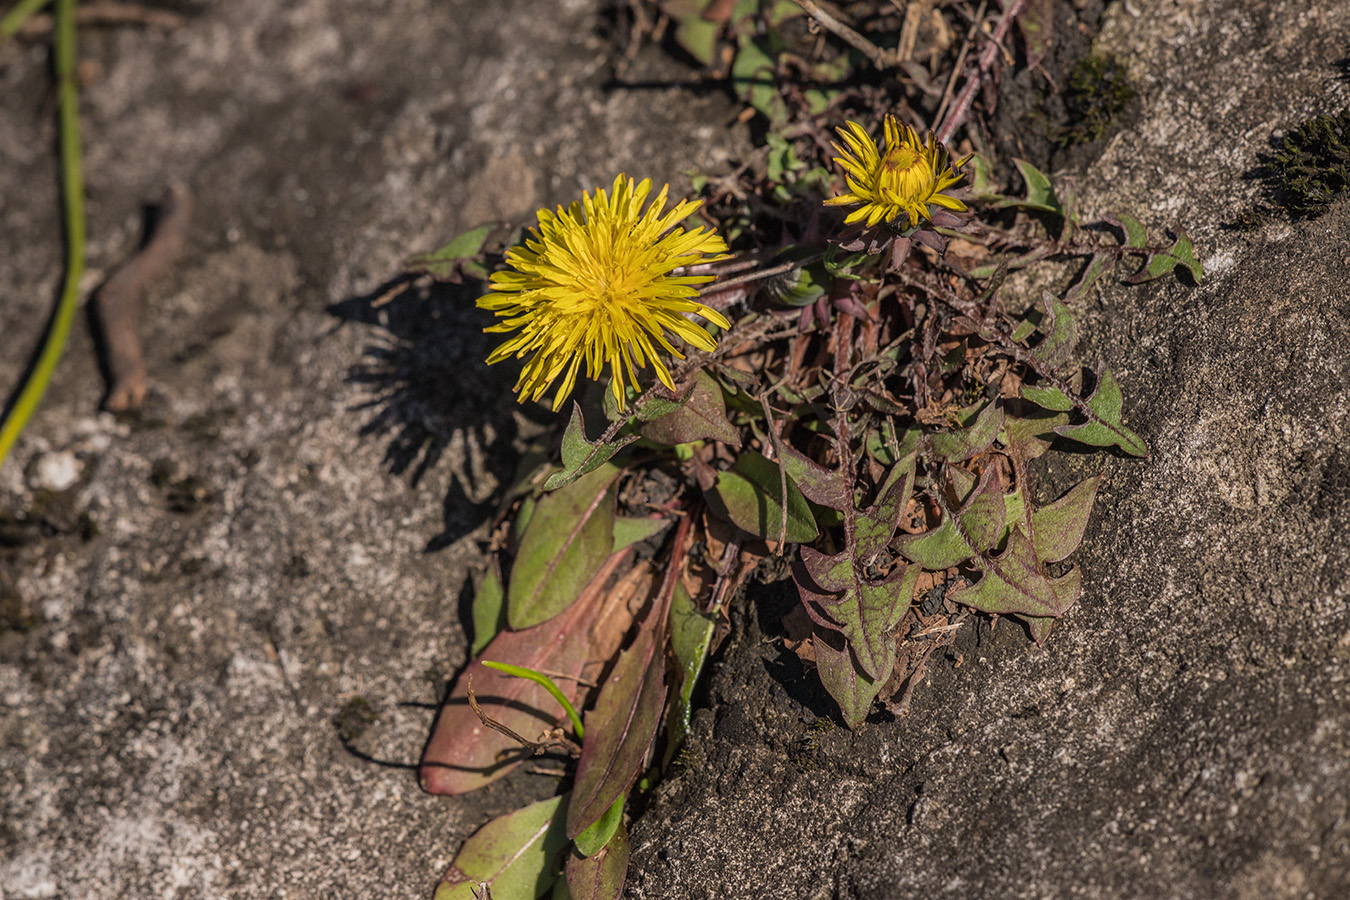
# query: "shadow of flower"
[430,393]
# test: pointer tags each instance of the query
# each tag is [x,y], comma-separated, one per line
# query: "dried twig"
[107,13]
[961,108]
[880,58]
[536,747]
[117,303]
[909,32]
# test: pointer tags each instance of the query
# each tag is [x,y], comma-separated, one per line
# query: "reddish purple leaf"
[463,754]
[621,726]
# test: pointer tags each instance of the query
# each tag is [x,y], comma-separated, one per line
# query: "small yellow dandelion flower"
[901,179]
[594,283]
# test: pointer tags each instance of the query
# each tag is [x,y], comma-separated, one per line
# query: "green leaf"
[698,37]
[596,837]
[1096,269]
[630,530]
[1013,582]
[581,455]
[598,877]
[1039,627]
[544,682]
[853,690]
[1104,427]
[619,728]
[754,78]
[972,440]
[978,526]
[1060,328]
[691,634]
[1029,437]
[1040,192]
[1051,398]
[982,185]
[446,263]
[1159,264]
[817,483]
[570,536]
[750,496]
[838,594]
[514,855]
[702,415]
[1057,529]
[1136,235]
[489,607]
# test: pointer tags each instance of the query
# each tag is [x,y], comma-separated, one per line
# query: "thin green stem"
[22,12]
[72,192]
[547,684]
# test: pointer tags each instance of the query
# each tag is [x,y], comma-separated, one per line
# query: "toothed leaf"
[702,415]
[1059,526]
[580,455]
[1013,582]
[975,438]
[851,689]
[1104,427]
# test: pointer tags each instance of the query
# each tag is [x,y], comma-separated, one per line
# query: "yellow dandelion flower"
[595,283]
[901,179]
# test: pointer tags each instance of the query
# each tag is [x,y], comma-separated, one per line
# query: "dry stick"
[536,747]
[961,108]
[117,303]
[909,32]
[108,13]
[960,61]
[880,58]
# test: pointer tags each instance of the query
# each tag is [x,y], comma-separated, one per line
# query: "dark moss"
[1312,166]
[1097,93]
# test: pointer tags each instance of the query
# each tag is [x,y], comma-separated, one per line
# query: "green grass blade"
[72,191]
[547,684]
[22,12]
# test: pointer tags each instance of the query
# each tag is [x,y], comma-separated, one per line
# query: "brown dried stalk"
[118,301]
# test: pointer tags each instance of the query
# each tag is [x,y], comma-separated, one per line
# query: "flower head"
[595,283]
[901,178]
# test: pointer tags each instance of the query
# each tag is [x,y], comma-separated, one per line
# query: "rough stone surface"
[283,538]
[287,530]
[1185,732]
